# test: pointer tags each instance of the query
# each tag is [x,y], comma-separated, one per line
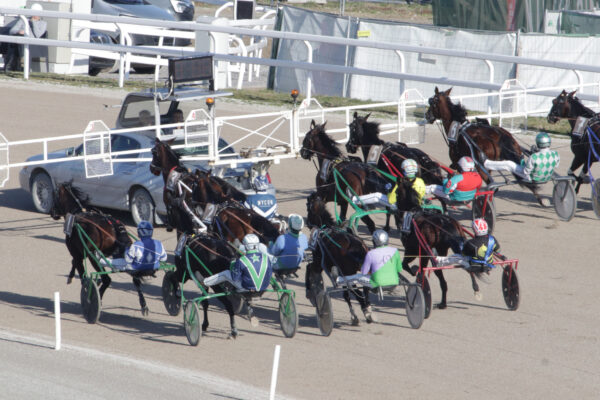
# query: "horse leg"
[253,320]
[577,162]
[343,209]
[475,286]
[365,305]
[229,308]
[104,277]
[387,223]
[205,312]
[443,287]
[138,286]
[369,222]
[76,264]
[353,317]
[405,265]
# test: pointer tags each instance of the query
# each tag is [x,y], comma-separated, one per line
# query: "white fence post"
[274,374]
[57,320]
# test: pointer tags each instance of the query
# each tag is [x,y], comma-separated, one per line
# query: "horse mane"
[582,110]
[407,199]
[324,216]
[371,132]
[458,111]
[330,145]
[82,197]
[229,190]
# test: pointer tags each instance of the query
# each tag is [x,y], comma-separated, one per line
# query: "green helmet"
[542,140]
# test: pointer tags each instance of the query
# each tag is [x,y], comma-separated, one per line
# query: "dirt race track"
[548,348]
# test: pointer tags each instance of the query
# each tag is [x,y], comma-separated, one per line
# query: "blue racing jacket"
[253,271]
[146,253]
[289,250]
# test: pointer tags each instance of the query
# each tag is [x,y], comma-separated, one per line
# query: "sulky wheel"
[324,313]
[191,322]
[90,300]
[510,288]
[596,197]
[483,207]
[564,199]
[171,299]
[415,306]
[288,316]
[424,283]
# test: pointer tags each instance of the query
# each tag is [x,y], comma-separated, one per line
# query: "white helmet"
[380,238]
[480,227]
[410,168]
[250,242]
[37,7]
[296,222]
[466,164]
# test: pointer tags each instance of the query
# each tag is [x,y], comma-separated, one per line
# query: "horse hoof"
[441,306]
[69,280]
[355,321]
[478,296]
[204,328]
[544,202]
[145,311]
[254,321]
[233,335]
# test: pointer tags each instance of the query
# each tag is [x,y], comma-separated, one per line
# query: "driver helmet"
[260,183]
[37,7]
[480,227]
[542,140]
[380,238]
[145,229]
[250,242]
[410,168]
[296,222]
[466,164]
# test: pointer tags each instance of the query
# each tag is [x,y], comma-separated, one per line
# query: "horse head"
[164,159]
[362,133]
[317,214]
[204,191]
[406,197]
[441,107]
[316,141]
[67,199]
[567,105]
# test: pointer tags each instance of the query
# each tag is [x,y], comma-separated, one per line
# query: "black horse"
[478,140]
[107,233]
[440,233]
[583,146]
[358,177]
[335,251]
[215,256]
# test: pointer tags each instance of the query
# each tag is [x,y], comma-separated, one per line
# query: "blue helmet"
[260,183]
[145,229]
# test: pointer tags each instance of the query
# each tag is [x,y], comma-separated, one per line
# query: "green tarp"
[501,15]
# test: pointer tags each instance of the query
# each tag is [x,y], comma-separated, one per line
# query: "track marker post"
[274,374]
[57,319]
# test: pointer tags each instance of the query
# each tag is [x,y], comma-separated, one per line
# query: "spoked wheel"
[483,207]
[191,322]
[169,294]
[510,288]
[288,317]
[565,200]
[90,300]
[596,197]
[324,313]
[415,306]
[424,283]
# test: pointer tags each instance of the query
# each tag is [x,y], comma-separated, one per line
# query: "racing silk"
[383,264]
[289,250]
[462,187]
[418,185]
[253,271]
[481,248]
[541,164]
[145,254]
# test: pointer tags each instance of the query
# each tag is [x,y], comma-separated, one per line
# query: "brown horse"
[440,233]
[107,233]
[585,147]
[355,177]
[479,140]
[335,251]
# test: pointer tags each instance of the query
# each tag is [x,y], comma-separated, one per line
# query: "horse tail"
[509,148]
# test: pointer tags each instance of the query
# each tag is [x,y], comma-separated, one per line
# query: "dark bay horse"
[107,233]
[440,232]
[358,176]
[478,140]
[335,251]
[216,256]
[584,147]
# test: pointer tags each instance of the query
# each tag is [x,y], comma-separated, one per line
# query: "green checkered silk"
[544,162]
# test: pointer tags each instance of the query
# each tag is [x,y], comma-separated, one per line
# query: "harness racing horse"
[108,234]
[438,232]
[584,147]
[479,140]
[365,134]
[357,177]
[232,221]
[335,251]
[216,256]
[175,195]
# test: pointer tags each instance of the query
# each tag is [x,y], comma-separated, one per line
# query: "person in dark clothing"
[11,52]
